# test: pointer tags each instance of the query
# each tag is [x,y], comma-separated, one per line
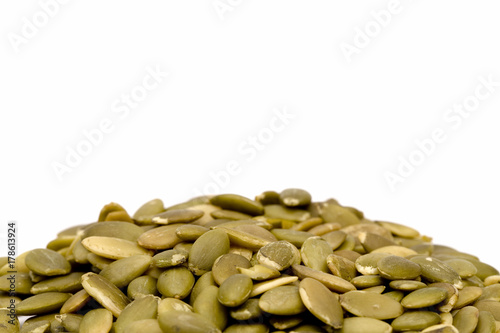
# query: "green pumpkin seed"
[206,250]
[105,292]
[70,322]
[434,270]
[185,322]
[176,282]
[285,322]
[170,258]
[398,268]
[246,311]
[145,213]
[309,224]
[314,253]
[75,302]
[123,230]
[98,261]
[341,267]
[332,282]
[486,323]
[332,212]
[491,292]
[406,285]
[235,290]
[491,306]
[67,284]
[142,286]
[160,238]
[229,214]
[262,287]
[177,216]
[463,267]
[373,305]
[285,213]
[227,265]
[142,308]
[367,281]
[109,208]
[396,250]
[415,320]
[96,321]
[424,297]
[244,239]
[371,241]
[465,320]
[42,303]
[441,328]
[321,302]
[113,248]
[294,197]
[268,198]
[47,262]
[365,324]
[467,296]
[282,300]
[144,325]
[247,328]
[168,304]
[399,229]
[238,203]
[334,238]
[295,237]
[190,232]
[22,282]
[208,306]
[121,272]
[279,255]
[7,323]
[367,264]
[259,272]
[57,244]
[203,282]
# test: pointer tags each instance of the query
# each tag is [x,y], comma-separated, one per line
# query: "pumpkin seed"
[282,300]
[227,265]
[145,213]
[67,284]
[206,250]
[434,270]
[113,248]
[141,308]
[321,302]
[248,310]
[160,238]
[176,282]
[170,258]
[7,323]
[373,305]
[238,203]
[96,321]
[294,197]
[42,303]
[365,324]
[168,304]
[177,216]
[208,305]
[144,325]
[123,230]
[279,255]
[398,268]
[105,292]
[47,262]
[121,272]
[415,320]
[424,297]
[185,322]
[235,290]
[314,253]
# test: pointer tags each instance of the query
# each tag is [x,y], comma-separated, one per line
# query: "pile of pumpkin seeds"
[227,263]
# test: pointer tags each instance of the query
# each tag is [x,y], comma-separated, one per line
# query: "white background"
[231,67]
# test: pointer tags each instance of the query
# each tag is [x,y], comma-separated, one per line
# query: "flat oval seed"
[424,297]
[486,323]
[208,306]
[22,282]
[206,250]
[47,262]
[396,250]
[105,293]
[113,248]
[96,321]
[373,305]
[144,325]
[149,209]
[141,286]
[42,303]
[238,203]
[399,229]
[262,287]
[7,323]
[294,197]
[177,216]
[75,302]
[246,311]
[160,238]
[190,232]
[341,267]
[314,252]
[203,281]
[492,306]
[244,239]
[247,328]
[295,237]
[441,328]
[367,281]
[468,295]
[176,282]
[259,272]
[169,304]
[406,285]
[463,267]
[235,290]
[491,292]
[121,272]
[465,320]
[398,268]
[364,325]
[228,264]
[332,212]
[415,320]
[67,284]
[285,213]
[334,238]
[283,300]
[321,302]
[124,230]
[185,322]
[434,270]
[332,282]
[142,308]
[279,255]
[229,214]
[371,241]
[367,264]
[268,198]
[170,258]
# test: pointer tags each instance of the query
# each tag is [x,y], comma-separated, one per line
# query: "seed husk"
[176,282]
[177,216]
[96,321]
[208,305]
[105,292]
[321,302]
[113,248]
[42,303]
[282,300]
[141,308]
[238,203]
[47,262]
[185,322]
[373,305]
[206,250]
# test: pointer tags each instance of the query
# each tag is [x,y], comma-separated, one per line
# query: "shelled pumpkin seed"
[227,263]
